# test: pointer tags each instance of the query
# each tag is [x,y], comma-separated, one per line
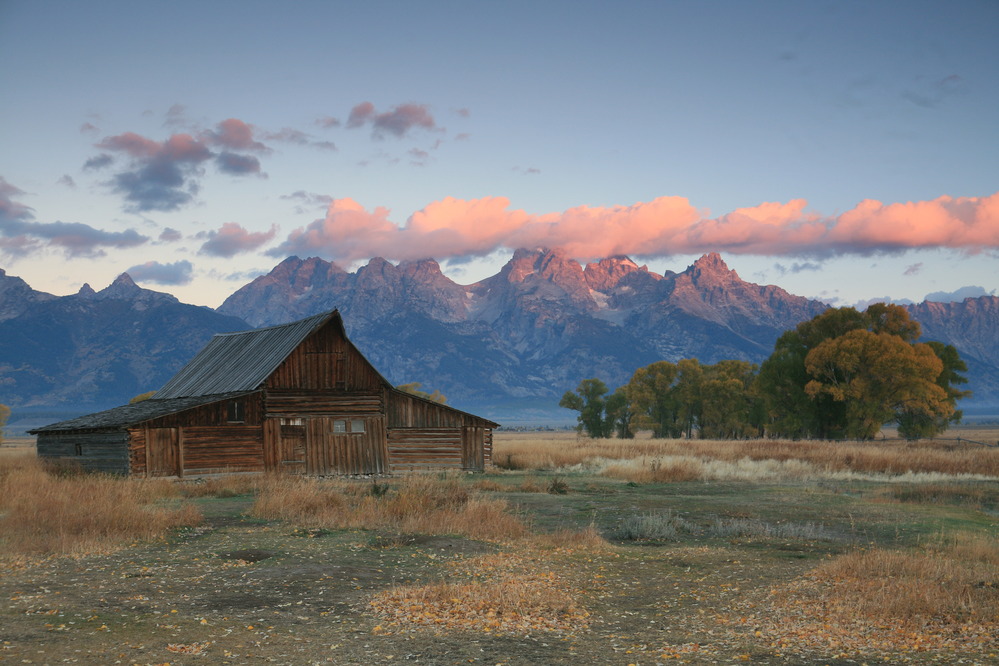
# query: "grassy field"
[570,551]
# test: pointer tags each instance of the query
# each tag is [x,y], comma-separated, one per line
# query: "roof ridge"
[297,322]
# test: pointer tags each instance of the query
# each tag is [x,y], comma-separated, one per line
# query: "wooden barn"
[298,398]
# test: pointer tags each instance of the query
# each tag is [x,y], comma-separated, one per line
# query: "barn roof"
[127,415]
[241,361]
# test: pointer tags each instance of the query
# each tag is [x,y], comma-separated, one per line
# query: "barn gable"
[297,398]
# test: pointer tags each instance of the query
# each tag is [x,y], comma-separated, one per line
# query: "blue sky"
[844,151]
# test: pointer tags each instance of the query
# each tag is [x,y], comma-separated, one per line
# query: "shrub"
[662,526]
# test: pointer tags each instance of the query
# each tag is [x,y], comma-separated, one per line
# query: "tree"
[653,401]
[877,377]
[912,423]
[789,411]
[588,400]
[414,388]
[4,415]
[792,411]
[688,390]
[618,414]
[728,401]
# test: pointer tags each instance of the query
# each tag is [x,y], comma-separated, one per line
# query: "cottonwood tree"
[729,406]
[877,376]
[618,414]
[914,423]
[833,406]
[653,401]
[588,400]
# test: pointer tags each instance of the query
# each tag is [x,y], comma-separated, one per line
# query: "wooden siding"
[472,454]
[325,360]
[163,452]
[327,452]
[217,449]
[414,449]
[409,411]
[214,414]
[93,451]
[291,404]
[195,450]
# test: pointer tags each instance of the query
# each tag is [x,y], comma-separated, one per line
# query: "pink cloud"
[232,239]
[662,227]
[234,134]
[360,114]
[398,121]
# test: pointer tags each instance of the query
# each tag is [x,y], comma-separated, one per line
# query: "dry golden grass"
[45,513]
[418,504]
[644,459]
[945,594]
[502,593]
[949,585]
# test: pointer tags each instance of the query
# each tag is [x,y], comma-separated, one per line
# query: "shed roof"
[127,415]
[241,361]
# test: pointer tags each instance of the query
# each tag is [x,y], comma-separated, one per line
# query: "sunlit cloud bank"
[666,226]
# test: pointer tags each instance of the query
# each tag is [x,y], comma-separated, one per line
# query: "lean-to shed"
[297,398]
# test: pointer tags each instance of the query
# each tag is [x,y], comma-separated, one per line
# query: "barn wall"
[329,452]
[415,449]
[291,404]
[93,451]
[227,448]
[325,360]
[196,450]
[214,414]
[409,411]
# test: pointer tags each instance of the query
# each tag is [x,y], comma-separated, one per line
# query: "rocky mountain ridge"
[507,346]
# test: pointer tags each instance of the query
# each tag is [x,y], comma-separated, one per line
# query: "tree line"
[842,374]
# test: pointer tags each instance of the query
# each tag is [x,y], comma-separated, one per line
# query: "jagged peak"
[124,288]
[424,268]
[711,265]
[124,280]
[86,291]
[606,273]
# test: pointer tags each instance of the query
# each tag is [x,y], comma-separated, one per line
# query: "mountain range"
[506,347]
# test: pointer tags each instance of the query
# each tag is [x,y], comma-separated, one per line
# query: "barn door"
[163,457]
[473,440]
[344,446]
[293,449]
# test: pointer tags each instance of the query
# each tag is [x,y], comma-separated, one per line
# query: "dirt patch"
[446,545]
[250,555]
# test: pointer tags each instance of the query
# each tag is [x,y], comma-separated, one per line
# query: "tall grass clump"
[661,526]
[44,513]
[418,504]
[951,585]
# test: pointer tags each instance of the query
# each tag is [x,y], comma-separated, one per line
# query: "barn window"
[357,425]
[340,425]
[78,449]
[236,411]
